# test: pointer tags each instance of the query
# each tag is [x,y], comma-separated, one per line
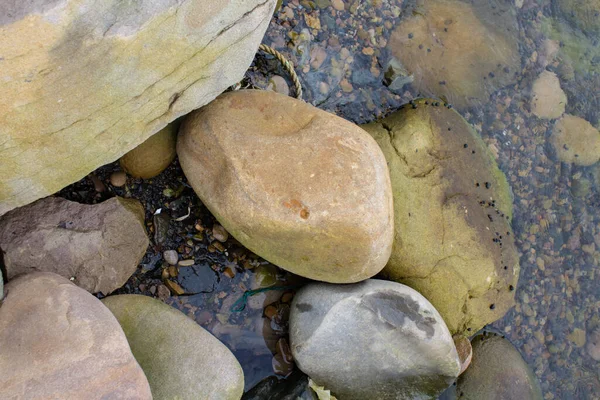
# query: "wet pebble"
[171,257]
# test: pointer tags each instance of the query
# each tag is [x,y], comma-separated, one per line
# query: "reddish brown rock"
[60,342]
[302,188]
[97,246]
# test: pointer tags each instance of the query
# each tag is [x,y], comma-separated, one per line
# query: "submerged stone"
[462,51]
[372,340]
[452,208]
[302,188]
[497,372]
[576,141]
[548,100]
[583,13]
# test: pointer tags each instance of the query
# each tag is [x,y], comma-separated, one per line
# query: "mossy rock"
[452,209]
[585,14]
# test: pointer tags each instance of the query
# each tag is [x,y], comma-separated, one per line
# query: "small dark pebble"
[511,288]
[487,185]
[492,306]
[410,35]
[465,145]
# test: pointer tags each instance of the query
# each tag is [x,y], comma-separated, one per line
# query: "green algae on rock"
[302,188]
[452,209]
[180,358]
[497,372]
[463,51]
[585,14]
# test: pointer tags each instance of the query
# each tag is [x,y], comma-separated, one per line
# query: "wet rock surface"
[329,171]
[548,100]
[452,210]
[576,141]
[180,359]
[445,45]
[84,84]
[98,247]
[400,346]
[497,371]
[58,341]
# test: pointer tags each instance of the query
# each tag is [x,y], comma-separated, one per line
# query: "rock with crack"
[461,50]
[97,246]
[302,188]
[85,81]
[372,340]
[452,208]
[60,342]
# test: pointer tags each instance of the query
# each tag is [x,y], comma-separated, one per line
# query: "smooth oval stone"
[497,372]
[152,156]
[576,141]
[180,358]
[452,210]
[548,100]
[59,342]
[302,188]
[372,340]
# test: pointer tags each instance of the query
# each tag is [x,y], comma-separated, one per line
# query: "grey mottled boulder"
[372,340]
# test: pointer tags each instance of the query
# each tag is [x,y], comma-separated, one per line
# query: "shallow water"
[342,65]
[342,58]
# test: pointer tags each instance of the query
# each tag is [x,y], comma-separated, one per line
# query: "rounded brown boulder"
[302,188]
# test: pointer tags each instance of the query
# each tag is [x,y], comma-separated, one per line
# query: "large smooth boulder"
[302,188]
[372,340]
[85,81]
[60,342]
[452,210]
[97,246]
[462,51]
[181,359]
[576,141]
[497,372]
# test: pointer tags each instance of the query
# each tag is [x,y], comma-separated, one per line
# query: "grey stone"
[60,342]
[181,360]
[171,257]
[97,246]
[372,340]
[497,372]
